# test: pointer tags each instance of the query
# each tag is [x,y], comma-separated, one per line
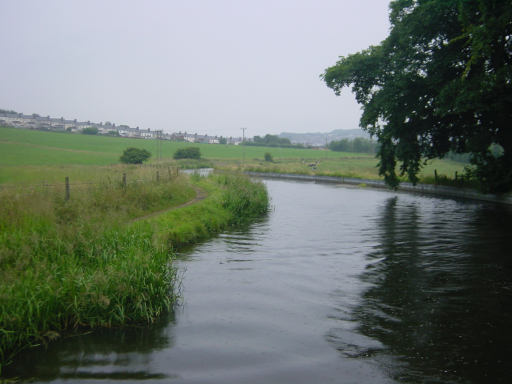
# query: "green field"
[27,147]
[34,156]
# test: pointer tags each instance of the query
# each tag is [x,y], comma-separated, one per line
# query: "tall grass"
[65,264]
[232,200]
[243,199]
[86,263]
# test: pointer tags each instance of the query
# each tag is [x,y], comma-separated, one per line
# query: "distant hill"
[319,139]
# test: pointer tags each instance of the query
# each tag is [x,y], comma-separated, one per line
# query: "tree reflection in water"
[439,295]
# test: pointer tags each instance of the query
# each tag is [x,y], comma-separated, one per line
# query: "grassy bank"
[363,167]
[231,200]
[87,263]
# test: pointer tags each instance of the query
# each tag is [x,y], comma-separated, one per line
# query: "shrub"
[135,156]
[187,153]
[268,157]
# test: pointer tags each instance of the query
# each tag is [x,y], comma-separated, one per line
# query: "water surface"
[336,285]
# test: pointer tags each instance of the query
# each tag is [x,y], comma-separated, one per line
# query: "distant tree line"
[359,145]
[272,141]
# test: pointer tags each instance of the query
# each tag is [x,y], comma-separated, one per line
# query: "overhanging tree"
[441,81]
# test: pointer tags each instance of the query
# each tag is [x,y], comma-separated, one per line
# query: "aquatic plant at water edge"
[68,264]
[86,263]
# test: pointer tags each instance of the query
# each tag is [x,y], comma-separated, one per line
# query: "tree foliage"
[441,81]
[271,141]
[358,144]
[187,153]
[135,156]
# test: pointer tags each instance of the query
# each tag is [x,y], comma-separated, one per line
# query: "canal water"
[336,285]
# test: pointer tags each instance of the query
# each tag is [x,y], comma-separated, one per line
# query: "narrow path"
[200,195]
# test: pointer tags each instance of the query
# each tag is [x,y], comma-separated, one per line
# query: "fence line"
[68,186]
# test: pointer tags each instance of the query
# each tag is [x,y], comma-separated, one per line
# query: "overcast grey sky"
[191,65]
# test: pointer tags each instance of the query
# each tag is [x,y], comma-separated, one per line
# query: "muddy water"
[336,285]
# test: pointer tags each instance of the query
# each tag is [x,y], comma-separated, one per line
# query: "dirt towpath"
[200,195]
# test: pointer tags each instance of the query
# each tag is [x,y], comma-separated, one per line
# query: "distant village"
[42,123]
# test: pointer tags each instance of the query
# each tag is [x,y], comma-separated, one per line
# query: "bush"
[268,157]
[187,153]
[135,156]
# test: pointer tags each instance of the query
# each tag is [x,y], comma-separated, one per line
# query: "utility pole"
[159,138]
[158,149]
[243,151]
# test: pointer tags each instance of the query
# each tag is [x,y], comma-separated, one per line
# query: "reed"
[67,264]
[85,262]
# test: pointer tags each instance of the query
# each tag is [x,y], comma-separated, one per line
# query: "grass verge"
[361,167]
[72,264]
[232,199]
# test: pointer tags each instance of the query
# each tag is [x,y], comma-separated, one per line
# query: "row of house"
[126,131]
[195,138]
[35,121]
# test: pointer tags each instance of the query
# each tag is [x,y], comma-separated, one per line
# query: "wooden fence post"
[435,177]
[67,188]
[124,180]
[157,176]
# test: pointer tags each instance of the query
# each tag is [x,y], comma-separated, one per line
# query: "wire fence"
[67,186]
